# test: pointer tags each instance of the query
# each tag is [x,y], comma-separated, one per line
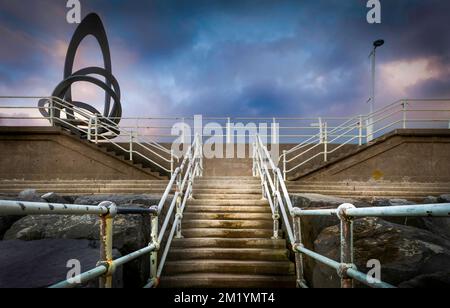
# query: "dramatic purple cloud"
[226,58]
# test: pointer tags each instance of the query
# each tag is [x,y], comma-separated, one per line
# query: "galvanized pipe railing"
[279,201]
[98,129]
[105,269]
[107,211]
[396,115]
[346,214]
[346,269]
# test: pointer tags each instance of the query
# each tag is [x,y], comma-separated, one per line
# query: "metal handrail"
[99,127]
[271,184]
[186,173]
[388,117]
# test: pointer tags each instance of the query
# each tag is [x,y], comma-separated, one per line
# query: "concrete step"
[225,181]
[368,188]
[215,280]
[238,190]
[227,216]
[229,243]
[406,194]
[249,254]
[225,178]
[199,196]
[227,233]
[224,202]
[367,184]
[82,182]
[88,191]
[227,209]
[228,224]
[277,268]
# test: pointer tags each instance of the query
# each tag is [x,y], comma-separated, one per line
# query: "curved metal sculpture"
[91,25]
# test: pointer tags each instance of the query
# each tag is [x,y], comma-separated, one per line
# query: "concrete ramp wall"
[47,153]
[401,156]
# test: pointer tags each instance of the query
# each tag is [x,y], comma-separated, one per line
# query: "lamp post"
[370,121]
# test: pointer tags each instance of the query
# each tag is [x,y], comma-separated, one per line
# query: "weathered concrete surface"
[404,252]
[403,155]
[44,262]
[42,153]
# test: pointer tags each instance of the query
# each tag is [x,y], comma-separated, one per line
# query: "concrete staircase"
[227,231]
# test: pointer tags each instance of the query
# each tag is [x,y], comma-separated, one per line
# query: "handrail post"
[405,113]
[276,205]
[89,132]
[284,165]
[201,157]
[52,112]
[96,128]
[178,205]
[254,159]
[131,145]
[106,244]
[321,130]
[171,162]
[360,130]
[228,130]
[325,142]
[154,253]
[299,267]
[346,245]
[191,176]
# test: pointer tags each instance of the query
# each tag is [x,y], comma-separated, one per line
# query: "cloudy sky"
[235,57]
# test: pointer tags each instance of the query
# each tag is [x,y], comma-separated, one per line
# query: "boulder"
[438,225]
[55,198]
[145,200]
[391,202]
[312,226]
[42,263]
[6,222]
[444,199]
[438,280]
[30,195]
[404,252]
[431,200]
[435,225]
[406,221]
[131,232]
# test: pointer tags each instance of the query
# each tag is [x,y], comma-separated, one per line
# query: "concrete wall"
[404,155]
[47,153]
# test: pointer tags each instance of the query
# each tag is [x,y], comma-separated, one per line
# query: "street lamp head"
[378,43]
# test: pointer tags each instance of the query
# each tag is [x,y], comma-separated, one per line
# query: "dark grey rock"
[6,222]
[312,226]
[404,252]
[438,225]
[431,200]
[444,199]
[131,232]
[30,195]
[145,200]
[55,198]
[435,225]
[391,202]
[433,281]
[39,264]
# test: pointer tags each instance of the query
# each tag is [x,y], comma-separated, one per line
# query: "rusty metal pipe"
[40,208]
